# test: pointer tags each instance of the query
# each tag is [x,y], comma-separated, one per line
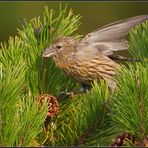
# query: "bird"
[92,58]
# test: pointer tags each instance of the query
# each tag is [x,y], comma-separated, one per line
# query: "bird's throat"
[64,62]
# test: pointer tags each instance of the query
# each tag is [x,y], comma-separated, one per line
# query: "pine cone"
[52,104]
[144,142]
[122,138]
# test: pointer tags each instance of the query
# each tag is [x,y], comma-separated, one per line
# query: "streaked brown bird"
[91,58]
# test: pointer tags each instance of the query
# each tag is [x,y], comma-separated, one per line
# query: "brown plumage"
[89,59]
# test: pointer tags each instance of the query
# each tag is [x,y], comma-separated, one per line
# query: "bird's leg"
[83,89]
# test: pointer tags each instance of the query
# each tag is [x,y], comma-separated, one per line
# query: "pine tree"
[34,113]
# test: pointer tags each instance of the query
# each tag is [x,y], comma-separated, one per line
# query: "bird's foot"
[71,94]
[83,89]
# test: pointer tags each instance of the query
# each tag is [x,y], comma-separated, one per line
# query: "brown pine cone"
[122,138]
[52,104]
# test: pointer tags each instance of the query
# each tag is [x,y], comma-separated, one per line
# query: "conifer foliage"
[34,112]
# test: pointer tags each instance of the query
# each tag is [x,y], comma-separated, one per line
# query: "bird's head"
[60,47]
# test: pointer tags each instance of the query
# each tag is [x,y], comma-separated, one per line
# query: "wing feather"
[112,37]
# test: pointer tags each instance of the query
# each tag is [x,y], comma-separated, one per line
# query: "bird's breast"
[89,70]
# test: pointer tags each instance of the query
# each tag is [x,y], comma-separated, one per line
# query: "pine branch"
[103,133]
[138,42]
[77,116]
[11,53]
[37,76]
[129,109]
[11,83]
[20,115]
[130,104]
[83,120]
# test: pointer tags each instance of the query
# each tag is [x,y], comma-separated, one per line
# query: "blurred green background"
[94,14]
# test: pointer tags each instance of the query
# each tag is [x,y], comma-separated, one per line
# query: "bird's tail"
[122,58]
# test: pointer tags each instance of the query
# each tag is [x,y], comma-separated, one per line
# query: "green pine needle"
[79,116]
[129,108]
[25,75]
[138,43]
[87,119]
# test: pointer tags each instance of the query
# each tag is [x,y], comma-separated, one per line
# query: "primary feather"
[112,37]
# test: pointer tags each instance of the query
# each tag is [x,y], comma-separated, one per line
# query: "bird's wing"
[88,53]
[111,37]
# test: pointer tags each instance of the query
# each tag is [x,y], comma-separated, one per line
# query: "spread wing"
[112,37]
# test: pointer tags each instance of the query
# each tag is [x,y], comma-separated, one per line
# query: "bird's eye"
[59,46]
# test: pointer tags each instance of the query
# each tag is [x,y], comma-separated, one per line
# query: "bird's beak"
[48,53]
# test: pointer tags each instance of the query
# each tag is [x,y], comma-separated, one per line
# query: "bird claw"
[62,92]
[69,94]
